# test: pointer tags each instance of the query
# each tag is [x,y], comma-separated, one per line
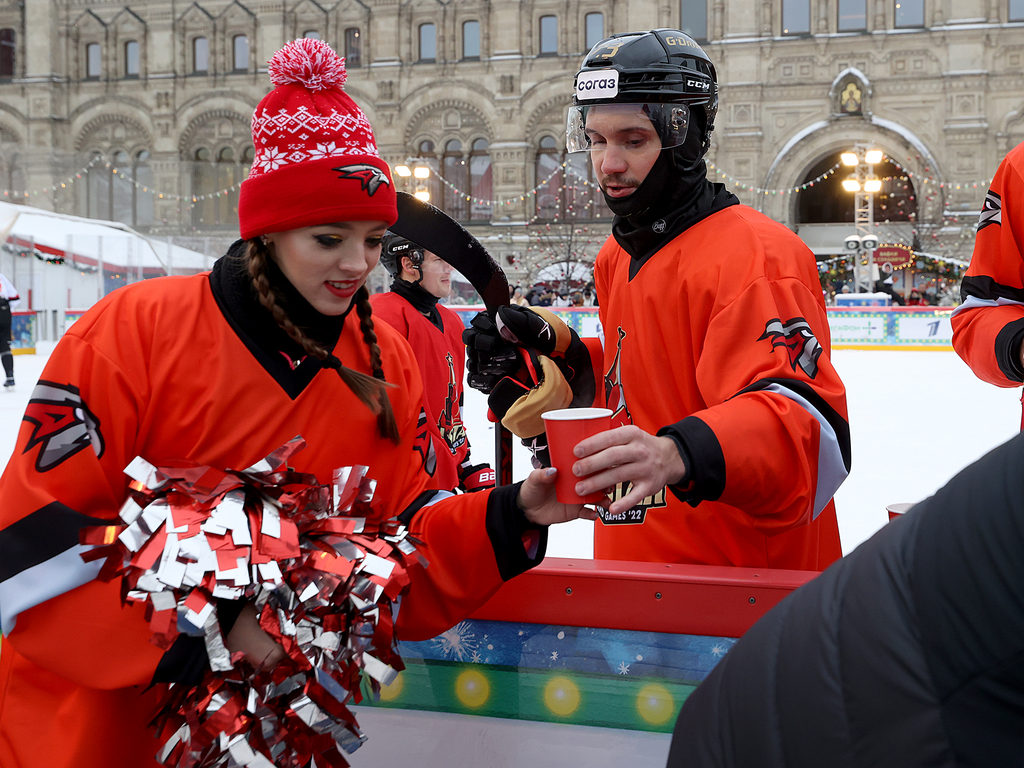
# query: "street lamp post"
[419,171]
[864,184]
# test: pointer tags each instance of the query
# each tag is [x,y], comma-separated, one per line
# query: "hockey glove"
[477,477]
[489,358]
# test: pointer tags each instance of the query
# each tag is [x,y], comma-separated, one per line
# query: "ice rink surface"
[916,419]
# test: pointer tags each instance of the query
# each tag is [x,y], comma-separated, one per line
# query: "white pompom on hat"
[316,158]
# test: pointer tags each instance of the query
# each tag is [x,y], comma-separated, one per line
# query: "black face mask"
[676,179]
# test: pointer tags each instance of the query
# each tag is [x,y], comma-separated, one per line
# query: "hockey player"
[989,326]
[734,433]
[419,279]
[220,369]
[9,300]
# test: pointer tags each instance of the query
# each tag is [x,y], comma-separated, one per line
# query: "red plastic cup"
[566,428]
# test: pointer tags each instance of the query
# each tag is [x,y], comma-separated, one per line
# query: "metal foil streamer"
[319,563]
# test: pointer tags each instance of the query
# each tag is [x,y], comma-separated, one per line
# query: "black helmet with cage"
[664,71]
[394,248]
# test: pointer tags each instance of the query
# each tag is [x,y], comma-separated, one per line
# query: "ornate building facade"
[141,112]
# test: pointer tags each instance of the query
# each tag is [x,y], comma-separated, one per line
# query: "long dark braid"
[371,390]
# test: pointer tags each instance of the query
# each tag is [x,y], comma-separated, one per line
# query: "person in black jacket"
[907,652]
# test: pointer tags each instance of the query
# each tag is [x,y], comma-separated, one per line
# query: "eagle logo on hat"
[370,177]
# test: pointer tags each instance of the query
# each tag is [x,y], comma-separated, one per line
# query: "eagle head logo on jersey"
[370,177]
[63,424]
[796,336]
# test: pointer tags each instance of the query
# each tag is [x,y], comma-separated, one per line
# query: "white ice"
[916,419]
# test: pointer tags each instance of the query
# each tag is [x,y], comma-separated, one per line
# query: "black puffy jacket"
[907,652]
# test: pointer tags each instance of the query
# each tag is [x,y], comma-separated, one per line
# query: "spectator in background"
[577,299]
[9,301]
[885,286]
[518,298]
[561,299]
[917,299]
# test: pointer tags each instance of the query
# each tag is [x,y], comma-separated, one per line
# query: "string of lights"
[768,191]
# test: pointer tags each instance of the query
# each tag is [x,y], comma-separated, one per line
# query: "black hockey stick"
[439,233]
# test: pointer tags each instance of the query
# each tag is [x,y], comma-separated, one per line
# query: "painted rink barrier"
[867,327]
[576,657]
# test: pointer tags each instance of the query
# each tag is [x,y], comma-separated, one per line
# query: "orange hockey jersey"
[989,325]
[442,358]
[160,370]
[720,340]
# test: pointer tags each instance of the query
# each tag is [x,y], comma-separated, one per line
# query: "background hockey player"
[9,300]
[419,280]
[220,369]
[734,429]
[989,326]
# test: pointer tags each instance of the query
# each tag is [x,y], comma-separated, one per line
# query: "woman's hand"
[261,650]
[537,499]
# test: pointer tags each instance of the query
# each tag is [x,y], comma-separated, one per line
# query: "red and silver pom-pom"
[320,563]
[312,63]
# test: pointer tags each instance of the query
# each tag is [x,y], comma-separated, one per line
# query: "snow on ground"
[916,419]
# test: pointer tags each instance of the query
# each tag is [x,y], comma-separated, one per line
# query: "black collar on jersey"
[423,302]
[282,357]
[644,235]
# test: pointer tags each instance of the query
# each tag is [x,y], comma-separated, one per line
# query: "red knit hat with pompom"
[316,159]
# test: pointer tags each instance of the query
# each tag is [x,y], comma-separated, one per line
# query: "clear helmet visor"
[640,126]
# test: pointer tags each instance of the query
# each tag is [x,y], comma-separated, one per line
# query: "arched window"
[548,35]
[471,40]
[240,50]
[122,189]
[353,48]
[481,182]
[204,183]
[7,52]
[425,150]
[572,192]
[142,204]
[131,59]
[215,184]
[594,24]
[93,62]
[428,42]
[200,55]
[548,164]
[453,169]
[311,34]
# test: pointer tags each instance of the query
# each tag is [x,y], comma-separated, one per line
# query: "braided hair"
[372,390]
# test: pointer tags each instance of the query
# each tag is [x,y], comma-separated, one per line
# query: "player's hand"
[489,358]
[537,499]
[261,650]
[627,454]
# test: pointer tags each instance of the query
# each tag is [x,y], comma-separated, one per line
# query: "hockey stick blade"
[439,233]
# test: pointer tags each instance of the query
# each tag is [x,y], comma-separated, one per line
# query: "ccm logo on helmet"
[698,84]
[602,84]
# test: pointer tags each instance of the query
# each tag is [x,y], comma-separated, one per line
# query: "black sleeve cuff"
[518,544]
[1008,342]
[705,462]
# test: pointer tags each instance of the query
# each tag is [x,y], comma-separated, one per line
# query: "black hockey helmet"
[664,69]
[394,248]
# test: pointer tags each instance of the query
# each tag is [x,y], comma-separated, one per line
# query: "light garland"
[83,172]
[766,191]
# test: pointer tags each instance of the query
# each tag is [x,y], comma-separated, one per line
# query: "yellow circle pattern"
[393,691]
[562,696]
[655,704]
[472,688]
